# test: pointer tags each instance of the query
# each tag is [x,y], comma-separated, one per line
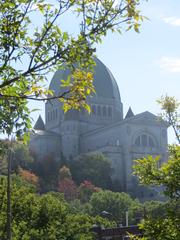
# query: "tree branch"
[15,35]
[34,97]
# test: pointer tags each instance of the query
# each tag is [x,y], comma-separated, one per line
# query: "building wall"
[70,138]
[44,145]
[120,143]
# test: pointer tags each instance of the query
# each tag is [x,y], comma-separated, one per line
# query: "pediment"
[147,118]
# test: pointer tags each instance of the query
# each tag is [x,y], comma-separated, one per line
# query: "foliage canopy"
[170,106]
[166,226]
[45,216]
[30,49]
[95,167]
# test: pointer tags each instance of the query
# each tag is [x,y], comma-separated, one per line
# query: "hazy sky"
[145,65]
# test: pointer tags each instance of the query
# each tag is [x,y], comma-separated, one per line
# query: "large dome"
[104,82]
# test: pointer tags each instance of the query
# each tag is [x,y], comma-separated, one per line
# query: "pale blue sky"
[145,65]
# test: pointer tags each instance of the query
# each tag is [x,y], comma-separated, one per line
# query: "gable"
[146,118]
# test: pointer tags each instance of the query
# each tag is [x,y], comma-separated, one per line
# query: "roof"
[38,132]
[146,117]
[39,125]
[129,113]
[104,82]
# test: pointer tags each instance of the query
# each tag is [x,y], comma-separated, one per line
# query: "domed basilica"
[105,129]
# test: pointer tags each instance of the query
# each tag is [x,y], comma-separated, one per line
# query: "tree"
[154,208]
[66,185]
[114,203]
[28,51]
[4,145]
[21,155]
[149,173]
[85,190]
[31,49]
[47,169]
[95,167]
[170,106]
[165,226]
[64,173]
[45,216]
[29,177]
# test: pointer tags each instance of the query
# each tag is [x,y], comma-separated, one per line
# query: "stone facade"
[105,130]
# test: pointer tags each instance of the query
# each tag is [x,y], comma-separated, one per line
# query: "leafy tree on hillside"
[64,173]
[29,177]
[66,185]
[68,188]
[114,203]
[45,216]
[33,44]
[149,173]
[153,208]
[4,146]
[21,155]
[95,167]
[165,226]
[85,190]
[170,106]
[47,169]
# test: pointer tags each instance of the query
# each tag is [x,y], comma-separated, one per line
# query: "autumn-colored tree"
[85,190]
[29,177]
[64,173]
[66,185]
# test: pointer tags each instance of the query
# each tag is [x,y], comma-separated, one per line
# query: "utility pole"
[10,155]
[127,217]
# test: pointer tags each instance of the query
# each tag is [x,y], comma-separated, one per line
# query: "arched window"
[109,112]
[151,142]
[144,140]
[138,141]
[99,110]
[93,109]
[104,111]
